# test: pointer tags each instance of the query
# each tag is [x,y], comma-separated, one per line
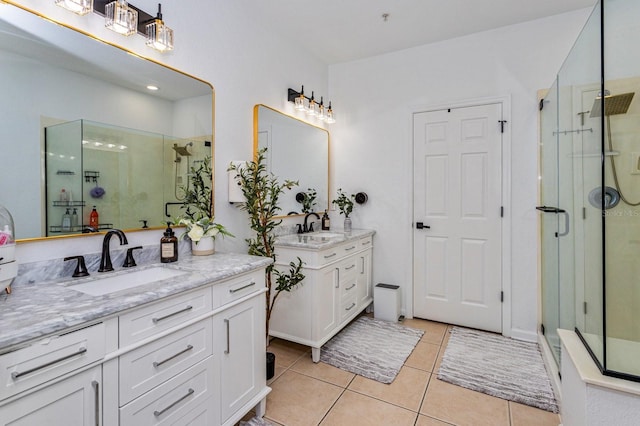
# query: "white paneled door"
[457,270]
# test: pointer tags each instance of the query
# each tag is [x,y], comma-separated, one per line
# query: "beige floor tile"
[429,421]
[287,353]
[297,399]
[523,415]
[277,373]
[423,356]
[433,331]
[322,371]
[462,406]
[354,409]
[406,390]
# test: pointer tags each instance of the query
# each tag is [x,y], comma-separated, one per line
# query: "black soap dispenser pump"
[168,246]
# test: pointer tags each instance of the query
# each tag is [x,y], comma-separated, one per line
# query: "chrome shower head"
[613,105]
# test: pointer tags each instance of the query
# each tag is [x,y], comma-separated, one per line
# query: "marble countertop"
[36,309]
[320,240]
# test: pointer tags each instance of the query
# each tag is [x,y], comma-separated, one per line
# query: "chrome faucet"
[105,258]
[306,229]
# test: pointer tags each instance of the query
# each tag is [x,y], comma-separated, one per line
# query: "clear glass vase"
[347,224]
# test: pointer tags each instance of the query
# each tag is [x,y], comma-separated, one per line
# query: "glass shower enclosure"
[590,192]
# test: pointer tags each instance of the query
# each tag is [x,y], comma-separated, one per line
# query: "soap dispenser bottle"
[93,219]
[74,219]
[66,221]
[168,246]
[326,222]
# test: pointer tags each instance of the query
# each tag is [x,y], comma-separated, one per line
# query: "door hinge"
[502,297]
[501,211]
[584,213]
[541,106]
[584,307]
[502,123]
[542,329]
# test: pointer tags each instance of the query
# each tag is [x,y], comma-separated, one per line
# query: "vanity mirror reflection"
[296,150]
[94,97]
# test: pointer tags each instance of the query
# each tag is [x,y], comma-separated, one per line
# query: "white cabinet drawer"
[348,307]
[366,242]
[149,320]
[175,399]
[234,289]
[49,358]
[148,366]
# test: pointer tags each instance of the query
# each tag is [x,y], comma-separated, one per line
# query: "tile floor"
[305,393]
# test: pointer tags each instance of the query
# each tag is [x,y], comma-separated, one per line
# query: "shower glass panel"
[620,117]
[590,127]
[549,221]
[134,178]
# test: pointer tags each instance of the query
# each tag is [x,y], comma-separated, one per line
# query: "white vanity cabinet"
[196,358]
[241,346]
[75,401]
[336,288]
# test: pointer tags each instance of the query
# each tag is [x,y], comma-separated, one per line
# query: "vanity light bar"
[311,106]
[124,18]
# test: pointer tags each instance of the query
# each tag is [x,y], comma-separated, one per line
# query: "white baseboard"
[527,336]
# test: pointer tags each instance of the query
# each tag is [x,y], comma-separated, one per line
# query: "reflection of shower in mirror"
[181,171]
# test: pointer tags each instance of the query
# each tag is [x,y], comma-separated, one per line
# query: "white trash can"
[387,302]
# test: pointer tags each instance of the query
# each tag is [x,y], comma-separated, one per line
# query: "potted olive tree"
[262,191]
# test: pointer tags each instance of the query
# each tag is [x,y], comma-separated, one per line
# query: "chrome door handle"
[566,224]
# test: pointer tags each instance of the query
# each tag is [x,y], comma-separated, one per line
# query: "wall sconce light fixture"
[121,18]
[159,36]
[310,106]
[80,7]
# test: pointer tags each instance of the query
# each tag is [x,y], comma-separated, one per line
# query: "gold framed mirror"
[53,75]
[296,150]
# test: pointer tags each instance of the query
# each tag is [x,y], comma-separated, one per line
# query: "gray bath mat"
[371,348]
[255,421]
[499,366]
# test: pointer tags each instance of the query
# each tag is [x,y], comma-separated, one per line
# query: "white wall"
[372,145]
[246,65]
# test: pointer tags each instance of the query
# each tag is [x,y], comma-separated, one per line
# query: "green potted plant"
[345,205]
[197,218]
[262,191]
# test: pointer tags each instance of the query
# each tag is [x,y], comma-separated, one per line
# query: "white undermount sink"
[323,236]
[125,281]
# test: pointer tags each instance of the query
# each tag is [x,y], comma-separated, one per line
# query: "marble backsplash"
[55,269]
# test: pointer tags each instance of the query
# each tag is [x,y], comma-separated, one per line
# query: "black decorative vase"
[271,365]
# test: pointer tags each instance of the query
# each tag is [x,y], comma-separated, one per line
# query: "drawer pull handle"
[337,277]
[187,349]
[330,255]
[350,307]
[169,407]
[352,286]
[15,375]
[350,267]
[226,322]
[350,248]
[233,290]
[157,320]
[366,242]
[96,401]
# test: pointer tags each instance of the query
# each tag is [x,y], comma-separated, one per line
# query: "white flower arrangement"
[201,228]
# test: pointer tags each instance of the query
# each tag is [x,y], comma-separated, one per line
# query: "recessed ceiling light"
[152,87]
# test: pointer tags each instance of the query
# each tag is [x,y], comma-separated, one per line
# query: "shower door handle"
[556,210]
[566,224]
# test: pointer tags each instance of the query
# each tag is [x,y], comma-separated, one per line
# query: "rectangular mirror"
[50,75]
[296,150]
